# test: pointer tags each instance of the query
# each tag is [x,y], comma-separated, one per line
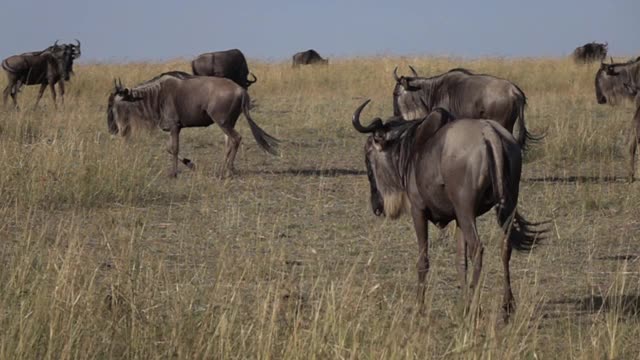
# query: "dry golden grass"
[105,257]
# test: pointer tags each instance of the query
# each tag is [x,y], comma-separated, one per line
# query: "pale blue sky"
[118,30]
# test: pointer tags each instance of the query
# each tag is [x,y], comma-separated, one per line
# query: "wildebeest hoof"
[172,174]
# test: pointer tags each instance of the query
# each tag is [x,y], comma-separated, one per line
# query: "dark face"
[406,100]
[606,81]
[111,121]
[67,63]
[377,203]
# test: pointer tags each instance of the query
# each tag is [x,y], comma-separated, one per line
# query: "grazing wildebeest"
[176,100]
[309,57]
[590,52]
[465,95]
[440,170]
[634,90]
[230,64]
[610,80]
[43,68]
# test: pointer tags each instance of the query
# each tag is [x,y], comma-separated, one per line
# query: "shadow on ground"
[577,179]
[627,305]
[332,172]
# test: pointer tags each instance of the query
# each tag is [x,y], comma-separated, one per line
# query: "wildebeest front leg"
[422,235]
[232,141]
[52,86]
[61,87]
[174,146]
[40,93]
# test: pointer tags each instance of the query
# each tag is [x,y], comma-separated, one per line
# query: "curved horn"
[395,74]
[611,57]
[78,41]
[415,73]
[375,125]
[255,78]
[55,43]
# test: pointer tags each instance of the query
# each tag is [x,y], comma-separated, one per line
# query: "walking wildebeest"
[440,170]
[610,80]
[46,67]
[634,90]
[590,52]
[230,64]
[176,100]
[309,57]
[465,95]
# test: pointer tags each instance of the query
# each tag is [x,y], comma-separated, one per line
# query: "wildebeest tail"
[523,235]
[267,142]
[524,136]
[7,67]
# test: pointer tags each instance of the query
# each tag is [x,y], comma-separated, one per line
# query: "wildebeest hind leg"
[232,142]
[467,224]
[508,303]
[461,258]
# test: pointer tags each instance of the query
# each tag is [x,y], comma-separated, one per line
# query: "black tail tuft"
[530,138]
[526,235]
[267,142]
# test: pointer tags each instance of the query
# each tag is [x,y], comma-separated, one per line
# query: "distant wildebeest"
[465,95]
[176,100]
[590,52]
[309,57]
[610,80]
[634,90]
[48,67]
[230,64]
[440,170]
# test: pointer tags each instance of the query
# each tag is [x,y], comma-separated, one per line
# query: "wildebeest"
[590,52]
[634,90]
[440,170]
[47,67]
[176,100]
[309,57]
[610,80]
[230,64]
[465,95]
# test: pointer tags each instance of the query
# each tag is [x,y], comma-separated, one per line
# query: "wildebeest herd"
[452,150]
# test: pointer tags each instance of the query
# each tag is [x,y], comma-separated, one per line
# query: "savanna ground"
[105,257]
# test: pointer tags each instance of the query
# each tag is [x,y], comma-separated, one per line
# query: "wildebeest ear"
[404,82]
[379,139]
[610,69]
